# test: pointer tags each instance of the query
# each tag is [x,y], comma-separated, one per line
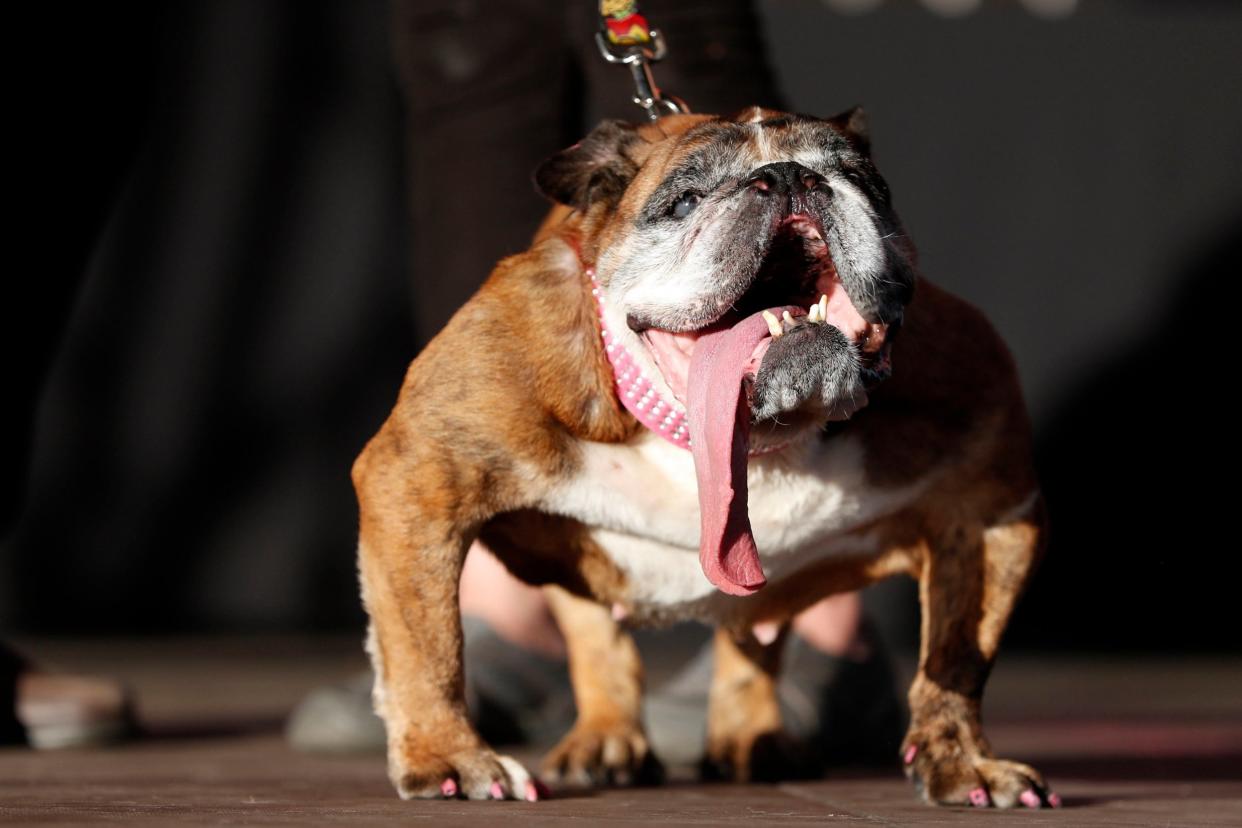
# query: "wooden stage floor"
[1126,742]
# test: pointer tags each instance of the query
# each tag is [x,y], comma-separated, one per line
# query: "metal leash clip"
[625,37]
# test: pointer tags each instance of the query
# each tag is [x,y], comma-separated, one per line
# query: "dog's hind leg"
[607,744]
[745,739]
[970,580]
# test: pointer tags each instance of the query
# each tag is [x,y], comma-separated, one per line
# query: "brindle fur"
[485,424]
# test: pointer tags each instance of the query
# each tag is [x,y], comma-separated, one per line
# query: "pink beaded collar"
[636,392]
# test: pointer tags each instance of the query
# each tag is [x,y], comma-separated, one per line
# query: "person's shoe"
[675,715]
[65,711]
[337,719]
[849,712]
[842,711]
[515,697]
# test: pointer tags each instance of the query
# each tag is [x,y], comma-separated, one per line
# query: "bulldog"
[689,400]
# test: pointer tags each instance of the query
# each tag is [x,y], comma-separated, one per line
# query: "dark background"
[210,304]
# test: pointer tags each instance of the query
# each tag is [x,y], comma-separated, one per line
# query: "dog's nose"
[784,177]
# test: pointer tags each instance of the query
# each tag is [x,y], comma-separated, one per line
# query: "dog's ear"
[853,122]
[597,168]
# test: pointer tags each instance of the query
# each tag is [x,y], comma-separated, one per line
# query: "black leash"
[626,37]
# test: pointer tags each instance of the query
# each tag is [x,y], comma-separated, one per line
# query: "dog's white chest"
[641,500]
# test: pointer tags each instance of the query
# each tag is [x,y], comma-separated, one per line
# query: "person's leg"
[516,611]
[834,626]
[485,86]
[40,708]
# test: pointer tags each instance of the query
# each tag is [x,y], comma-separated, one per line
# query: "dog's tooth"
[823,307]
[789,320]
[812,314]
[774,324]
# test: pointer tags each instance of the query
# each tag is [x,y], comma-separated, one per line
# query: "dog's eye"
[685,205]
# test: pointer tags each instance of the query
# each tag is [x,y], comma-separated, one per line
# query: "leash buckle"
[638,57]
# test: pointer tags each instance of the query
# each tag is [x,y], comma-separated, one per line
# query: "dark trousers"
[492,88]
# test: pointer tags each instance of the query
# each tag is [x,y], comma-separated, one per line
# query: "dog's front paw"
[949,770]
[593,754]
[814,363]
[749,756]
[472,773]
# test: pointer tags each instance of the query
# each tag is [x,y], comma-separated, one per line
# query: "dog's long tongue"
[720,430]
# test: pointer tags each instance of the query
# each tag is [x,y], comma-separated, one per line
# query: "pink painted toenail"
[911,752]
[497,791]
[1054,800]
[1029,798]
[448,788]
[979,798]
[532,793]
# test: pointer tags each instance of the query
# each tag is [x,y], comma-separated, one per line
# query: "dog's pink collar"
[635,390]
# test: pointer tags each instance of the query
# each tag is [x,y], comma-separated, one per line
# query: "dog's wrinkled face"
[703,222]
[754,269]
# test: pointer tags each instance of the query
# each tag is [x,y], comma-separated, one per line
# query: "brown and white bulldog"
[677,404]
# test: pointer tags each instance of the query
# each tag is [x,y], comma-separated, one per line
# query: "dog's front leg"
[969,583]
[745,738]
[410,553]
[607,744]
